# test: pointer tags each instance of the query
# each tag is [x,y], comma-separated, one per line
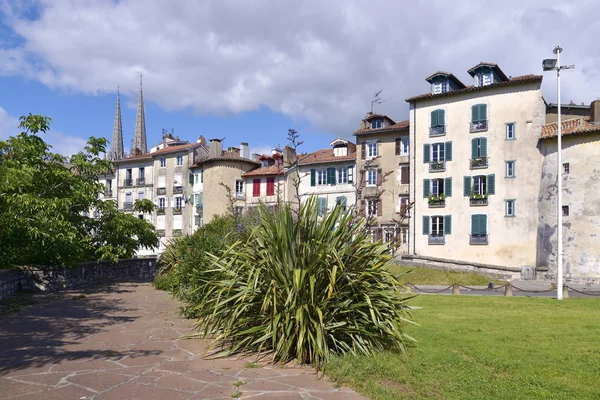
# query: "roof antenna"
[376,100]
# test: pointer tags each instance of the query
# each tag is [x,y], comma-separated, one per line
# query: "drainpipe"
[414,180]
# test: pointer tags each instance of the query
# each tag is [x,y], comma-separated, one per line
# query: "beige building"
[580,203]
[476,168]
[268,184]
[382,165]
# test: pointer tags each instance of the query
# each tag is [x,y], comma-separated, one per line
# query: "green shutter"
[426,188]
[322,205]
[426,153]
[491,184]
[425,225]
[191,179]
[483,224]
[448,187]
[331,176]
[447,224]
[483,147]
[482,112]
[474,224]
[313,177]
[350,175]
[441,117]
[475,113]
[474,147]
[448,151]
[467,186]
[434,118]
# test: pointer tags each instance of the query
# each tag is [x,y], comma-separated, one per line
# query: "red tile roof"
[325,156]
[398,126]
[265,171]
[516,80]
[576,126]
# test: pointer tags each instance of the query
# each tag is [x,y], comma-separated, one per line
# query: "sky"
[249,70]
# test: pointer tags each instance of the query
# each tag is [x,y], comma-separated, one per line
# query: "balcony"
[479,126]
[177,211]
[479,162]
[481,238]
[177,189]
[199,208]
[161,191]
[108,193]
[437,239]
[128,182]
[141,181]
[437,201]
[160,211]
[160,232]
[240,196]
[478,200]
[437,166]
[437,131]
[128,206]
[177,232]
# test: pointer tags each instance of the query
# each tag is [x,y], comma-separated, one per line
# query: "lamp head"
[549,64]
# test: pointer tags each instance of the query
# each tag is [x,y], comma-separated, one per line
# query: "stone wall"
[53,278]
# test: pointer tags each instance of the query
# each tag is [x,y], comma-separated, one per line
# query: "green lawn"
[475,347]
[428,276]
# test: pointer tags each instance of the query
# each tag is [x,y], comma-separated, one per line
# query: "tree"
[45,200]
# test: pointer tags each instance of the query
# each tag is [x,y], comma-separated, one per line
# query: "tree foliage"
[45,200]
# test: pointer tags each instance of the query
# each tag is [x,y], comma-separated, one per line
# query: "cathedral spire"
[116,149]
[139,135]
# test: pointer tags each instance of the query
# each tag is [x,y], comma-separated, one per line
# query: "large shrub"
[304,287]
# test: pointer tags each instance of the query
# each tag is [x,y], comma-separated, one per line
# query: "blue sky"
[250,70]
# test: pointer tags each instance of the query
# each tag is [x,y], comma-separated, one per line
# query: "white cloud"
[317,60]
[61,143]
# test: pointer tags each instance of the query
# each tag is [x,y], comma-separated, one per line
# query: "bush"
[303,287]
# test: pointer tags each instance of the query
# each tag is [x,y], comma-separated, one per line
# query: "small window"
[322,177]
[371,149]
[342,175]
[239,187]
[163,162]
[437,226]
[437,152]
[376,123]
[510,169]
[265,163]
[371,207]
[404,234]
[510,131]
[565,210]
[371,177]
[178,202]
[179,160]
[161,203]
[444,87]
[510,208]
[566,169]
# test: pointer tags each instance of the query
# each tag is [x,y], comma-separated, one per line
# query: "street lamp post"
[551,65]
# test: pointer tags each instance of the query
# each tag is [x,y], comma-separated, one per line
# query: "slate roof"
[398,126]
[576,126]
[166,150]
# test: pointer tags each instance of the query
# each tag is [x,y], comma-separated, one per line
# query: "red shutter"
[270,186]
[404,178]
[379,177]
[256,187]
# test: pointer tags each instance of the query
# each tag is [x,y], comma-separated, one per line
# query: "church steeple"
[139,135]
[116,148]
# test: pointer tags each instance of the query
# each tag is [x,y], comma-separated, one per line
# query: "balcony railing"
[481,238]
[177,232]
[141,181]
[177,211]
[128,182]
[160,211]
[437,239]
[437,202]
[199,208]
[479,162]
[437,166]
[240,196]
[437,130]
[479,200]
[479,126]
[108,193]
[128,206]
[160,232]
[161,191]
[177,189]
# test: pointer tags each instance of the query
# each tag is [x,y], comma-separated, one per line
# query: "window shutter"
[448,187]
[447,224]
[256,187]
[405,175]
[474,224]
[467,186]
[364,151]
[483,147]
[474,147]
[482,112]
[491,184]
[441,117]
[331,176]
[425,225]
[191,179]
[475,113]
[350,174]
[313,177]
[426,153]
[398,146]
[483,224]
[379,176]
[426,188]
[434,118]
[379,208]
[448,151]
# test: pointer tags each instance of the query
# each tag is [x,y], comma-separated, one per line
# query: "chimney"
[201,140]
[595,112]
[215,149]
[289,156]
[244,150]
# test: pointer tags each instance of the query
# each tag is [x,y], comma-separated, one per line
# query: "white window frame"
[371,177]
[441,149]
[141,195]
[404,235]
[481,187]
[371,149]
[162,200]
[179,160]
[178,202]
[163,162]
[342,175]
[438,186]
[404,146]
[321,177]
[509,208]
[566,168]
[437,221]
[372,207]
[510,131]
[510,169]
[377,120]
[239,186]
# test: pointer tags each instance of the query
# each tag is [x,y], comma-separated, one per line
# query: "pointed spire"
[116,149]
[139,135]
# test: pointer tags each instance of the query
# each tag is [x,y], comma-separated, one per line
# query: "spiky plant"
[304,287]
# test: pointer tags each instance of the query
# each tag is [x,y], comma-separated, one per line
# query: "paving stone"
[98,381]
[142,392]
[10,388]
[265,385]
[48,379]
[215,391]
[62,393]
[175,381]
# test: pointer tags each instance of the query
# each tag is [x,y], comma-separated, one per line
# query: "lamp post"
[554,65]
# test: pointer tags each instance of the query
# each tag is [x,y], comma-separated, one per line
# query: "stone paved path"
[124,342]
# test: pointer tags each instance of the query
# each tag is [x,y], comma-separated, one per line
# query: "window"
[178,202]
[371,149]
[510,131]
[177,222]
[566,169]
[350,174]
[239,187]
[163,162]
[440,87]
[256,187]
[437,226]
[371,177]
[265,163]
[322,205]
[341,201]
[402,146]
[510,208]
[404,234]
[437,187]
[162,203]
[403,206]
[479,147]
[342,175]
[404,175]
[510,169]
[376,123]
[270,186]
[437,152]
[141,195]
[179,160]
[479,117]
[142,173]
[480,185]
[195,178]
[178,180]
[565,211]
[444,87]
[322,177]
[483,79]
[371,207]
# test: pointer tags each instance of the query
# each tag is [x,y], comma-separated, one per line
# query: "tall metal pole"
[559,268]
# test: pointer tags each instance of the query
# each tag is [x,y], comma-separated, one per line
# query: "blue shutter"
[434,118]
[448,187]
[313,178]
[441,118]
[483,224]
[474,147]
[426,153]
[483,147]
[482,112]
[467,186]
[322,205]
[448,151]
[491,184]
[425,225]
[331,176]
[474,224]
[426,188]
[447,224]
[350,175]
[475,113]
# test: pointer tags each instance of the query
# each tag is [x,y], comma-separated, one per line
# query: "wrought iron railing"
[480,238]
[160,232]
[478,126]
[141,181]
[160,211]
[177,210]
[437,166]
[437,130]
[478,162]
[478,200]
[128,182]
[161,191]
[437,203]
[177,189]
[437,239]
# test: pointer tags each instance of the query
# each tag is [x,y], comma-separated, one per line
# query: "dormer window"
[440,87]
[265,163]
[483,79]
[340,151]
[376,123]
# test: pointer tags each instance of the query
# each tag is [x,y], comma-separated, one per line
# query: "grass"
[429,276]
[16,303]
[475,347]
